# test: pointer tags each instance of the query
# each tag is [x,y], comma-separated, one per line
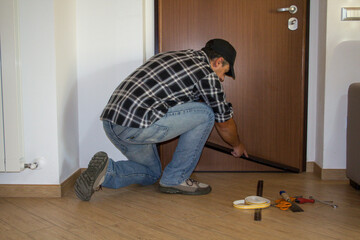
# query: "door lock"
[293,24]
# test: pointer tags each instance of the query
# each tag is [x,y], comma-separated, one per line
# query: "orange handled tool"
[294,207]
[282,204]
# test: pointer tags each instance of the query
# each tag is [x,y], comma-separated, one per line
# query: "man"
[173,94]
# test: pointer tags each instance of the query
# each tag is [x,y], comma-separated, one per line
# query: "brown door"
[268,95]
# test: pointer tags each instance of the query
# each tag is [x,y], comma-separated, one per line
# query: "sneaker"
[91,179]
[188,187]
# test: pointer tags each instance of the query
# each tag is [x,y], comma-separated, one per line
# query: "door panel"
[268,95]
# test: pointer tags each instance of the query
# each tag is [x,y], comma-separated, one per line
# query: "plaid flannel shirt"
[165,80]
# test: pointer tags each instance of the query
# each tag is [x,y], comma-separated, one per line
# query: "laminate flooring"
[142,212]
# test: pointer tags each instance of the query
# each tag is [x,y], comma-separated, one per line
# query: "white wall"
[342,69]
[333,65]
[110,46]
[66,86]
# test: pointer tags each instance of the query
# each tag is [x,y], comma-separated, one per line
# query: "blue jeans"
[193,122]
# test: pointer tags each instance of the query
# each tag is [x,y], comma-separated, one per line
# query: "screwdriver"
[304,200]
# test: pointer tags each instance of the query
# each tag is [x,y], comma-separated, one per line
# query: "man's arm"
[228,132]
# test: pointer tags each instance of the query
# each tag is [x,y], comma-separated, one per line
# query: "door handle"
[292,9]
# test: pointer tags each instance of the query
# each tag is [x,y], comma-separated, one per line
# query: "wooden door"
[269,93]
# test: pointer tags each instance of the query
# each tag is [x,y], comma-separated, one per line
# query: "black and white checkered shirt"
[165,80]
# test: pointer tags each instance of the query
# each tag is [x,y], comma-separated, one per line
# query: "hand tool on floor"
[294,207]
[282,204]
[259,192]
[324,202]
[303,200]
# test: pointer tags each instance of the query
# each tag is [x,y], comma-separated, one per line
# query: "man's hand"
[227,130]
[239,150]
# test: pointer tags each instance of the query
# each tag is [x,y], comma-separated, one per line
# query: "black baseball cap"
[226,50]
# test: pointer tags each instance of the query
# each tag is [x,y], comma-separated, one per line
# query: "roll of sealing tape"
[252,202]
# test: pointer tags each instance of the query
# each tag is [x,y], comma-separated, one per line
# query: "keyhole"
[293,24]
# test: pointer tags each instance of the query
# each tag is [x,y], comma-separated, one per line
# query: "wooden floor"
[137,212]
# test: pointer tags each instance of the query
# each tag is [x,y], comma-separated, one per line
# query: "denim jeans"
[192,121]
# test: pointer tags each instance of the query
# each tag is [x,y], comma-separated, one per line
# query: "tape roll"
[252,202]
